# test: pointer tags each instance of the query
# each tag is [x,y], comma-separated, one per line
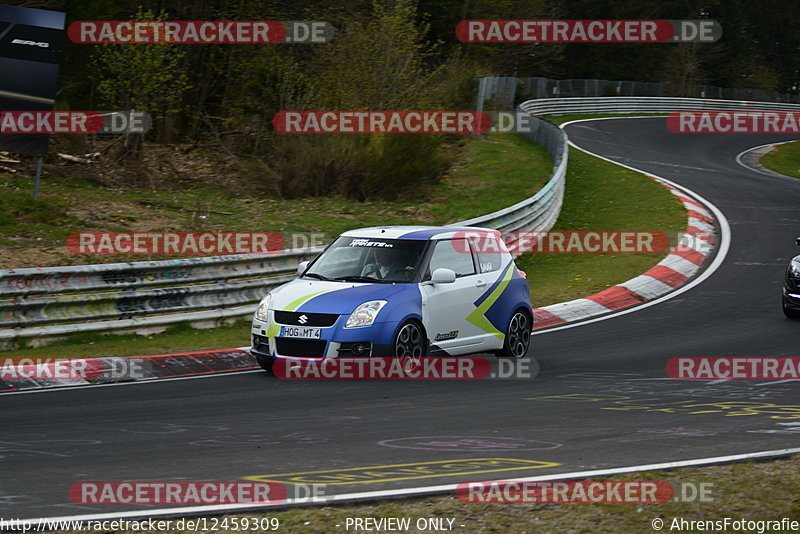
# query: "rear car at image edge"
[791,288]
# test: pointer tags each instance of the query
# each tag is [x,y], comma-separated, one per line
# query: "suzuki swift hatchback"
[404,291]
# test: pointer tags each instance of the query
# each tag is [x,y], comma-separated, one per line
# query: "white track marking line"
[423,490]
[722,252]
[772,383]
[741,154]
[137,382]
[722,249]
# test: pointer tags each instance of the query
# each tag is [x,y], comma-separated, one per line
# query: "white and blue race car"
[403,291]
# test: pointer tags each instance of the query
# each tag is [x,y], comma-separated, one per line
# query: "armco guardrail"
[47,302]
[124,290]
[148,296]
[44,303]
[644,104]
[538,213]
[500,92]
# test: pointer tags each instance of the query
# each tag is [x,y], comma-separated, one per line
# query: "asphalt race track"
[601,400]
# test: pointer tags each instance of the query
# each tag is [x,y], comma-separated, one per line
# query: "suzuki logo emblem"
[302,319]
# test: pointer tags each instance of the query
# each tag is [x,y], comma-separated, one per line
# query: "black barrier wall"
[30,42]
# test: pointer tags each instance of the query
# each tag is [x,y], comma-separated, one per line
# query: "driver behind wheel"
[389,264]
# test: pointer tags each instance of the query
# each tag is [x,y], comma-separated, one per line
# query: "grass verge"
[561,119]
[602,196]
[491,173]
[783,159]
[176,339]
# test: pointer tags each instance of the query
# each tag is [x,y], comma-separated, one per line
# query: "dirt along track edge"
[721,248]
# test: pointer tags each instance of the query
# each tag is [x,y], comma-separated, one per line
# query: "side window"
[452,254]
[489,253]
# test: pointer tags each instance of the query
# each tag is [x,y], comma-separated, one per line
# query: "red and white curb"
[750,159]
[148,368]
[676,273]
[682,263]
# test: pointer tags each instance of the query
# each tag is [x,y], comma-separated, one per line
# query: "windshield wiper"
[318,276]
[361,279]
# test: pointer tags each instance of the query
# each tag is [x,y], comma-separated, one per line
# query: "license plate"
[301,331]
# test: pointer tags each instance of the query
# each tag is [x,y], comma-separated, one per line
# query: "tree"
[145,77]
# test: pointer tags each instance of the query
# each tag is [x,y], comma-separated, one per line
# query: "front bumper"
[791,296]
[334,341]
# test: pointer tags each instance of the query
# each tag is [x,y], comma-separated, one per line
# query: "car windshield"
[362,259]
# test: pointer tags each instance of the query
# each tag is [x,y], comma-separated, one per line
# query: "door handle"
[480,283]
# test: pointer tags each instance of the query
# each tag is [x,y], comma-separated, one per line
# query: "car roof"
[413,232]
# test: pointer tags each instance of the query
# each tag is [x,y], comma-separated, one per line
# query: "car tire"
[518,336]
[410,344]
[789,312]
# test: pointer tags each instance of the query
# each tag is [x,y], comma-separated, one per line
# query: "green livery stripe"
[478,317]
[292,306]
[275,329]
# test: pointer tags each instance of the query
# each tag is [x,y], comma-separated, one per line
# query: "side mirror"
[798,241]
[301,268]
[443,276]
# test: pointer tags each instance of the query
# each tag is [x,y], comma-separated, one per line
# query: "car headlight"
[794,268]
[262,313]
[365,314]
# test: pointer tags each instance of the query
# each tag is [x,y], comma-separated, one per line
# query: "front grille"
[301,348]
[311,319]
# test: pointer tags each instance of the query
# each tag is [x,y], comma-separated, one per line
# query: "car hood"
[318,296]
